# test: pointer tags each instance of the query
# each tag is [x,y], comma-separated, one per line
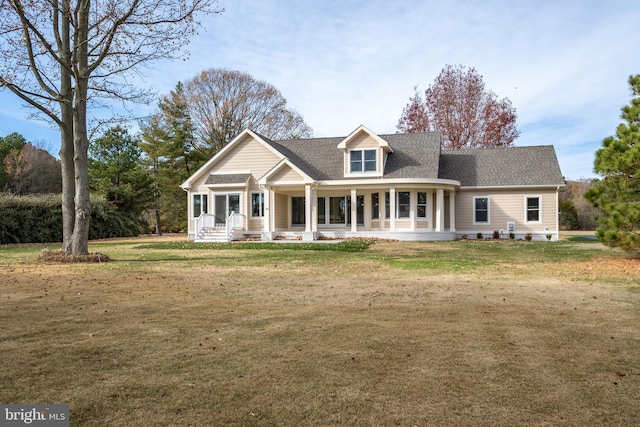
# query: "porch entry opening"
[336,210]
[224,205]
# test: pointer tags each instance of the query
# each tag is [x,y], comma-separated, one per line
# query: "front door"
[225,204]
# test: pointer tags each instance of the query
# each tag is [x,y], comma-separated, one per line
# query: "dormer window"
[363,161]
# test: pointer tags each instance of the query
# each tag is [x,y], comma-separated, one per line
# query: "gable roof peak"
[363,129]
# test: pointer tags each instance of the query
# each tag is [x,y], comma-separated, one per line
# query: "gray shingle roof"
[415,155]
[227,179]
[484,167]
[418,155]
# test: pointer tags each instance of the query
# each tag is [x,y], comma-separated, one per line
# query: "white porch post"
[439,209]
[430,209]
[452,211]
[267,228]
[392,208]
[354,211]
[309,206]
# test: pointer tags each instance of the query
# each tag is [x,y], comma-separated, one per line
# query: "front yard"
[393,333]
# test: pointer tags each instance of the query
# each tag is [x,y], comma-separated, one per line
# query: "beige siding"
[363,141]
[282,212]
[506,206]
[248,155]
[286,174]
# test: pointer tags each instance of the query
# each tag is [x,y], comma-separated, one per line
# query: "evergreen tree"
[171,156]
[115,172]
[618,193]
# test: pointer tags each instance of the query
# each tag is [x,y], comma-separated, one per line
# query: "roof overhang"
[264,180]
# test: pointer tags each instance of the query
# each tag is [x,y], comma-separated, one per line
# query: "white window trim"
[375,172]
[488,222]
[426,205]
[398,205]
[526,211]
[261,215]
[193,196]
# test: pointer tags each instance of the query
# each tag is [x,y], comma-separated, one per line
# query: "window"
[481,210]
[362,161]
[403,204]
[422,205]
[199,204]
[387,204]
[375,208]
[337,210]
[533,209]
[322,215]
[257,205]
[297,211]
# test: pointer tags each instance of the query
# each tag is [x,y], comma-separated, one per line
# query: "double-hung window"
[200,204]
[362,161]
[257,205]
[481,210]
[375,205]
[533,205]
[403,204]
[422,205]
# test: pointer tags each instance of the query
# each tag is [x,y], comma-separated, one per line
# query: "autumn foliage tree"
[459,107]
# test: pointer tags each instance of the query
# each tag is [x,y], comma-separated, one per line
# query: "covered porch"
[402,211]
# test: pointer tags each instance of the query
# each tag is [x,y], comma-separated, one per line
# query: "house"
[398,186]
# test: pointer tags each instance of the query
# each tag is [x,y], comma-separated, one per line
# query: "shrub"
[496,234]
[512,236]
[479,236]
[549,236]
[38,219]
[528,237]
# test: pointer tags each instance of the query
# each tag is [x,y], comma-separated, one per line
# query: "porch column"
[266,221]
[308,208]
[430,209]
[439,209]
[392,208]
[452,211]
[354,211]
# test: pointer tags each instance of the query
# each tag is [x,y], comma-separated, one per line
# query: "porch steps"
[212,234]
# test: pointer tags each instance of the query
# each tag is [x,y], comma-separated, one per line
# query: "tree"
[458,106]
[61,56]
[32,170]
[617,194]
[116,173]
[222,103]
[9,145]
[585,212]
[171,156]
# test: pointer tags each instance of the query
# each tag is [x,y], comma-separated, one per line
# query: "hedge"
[38,219]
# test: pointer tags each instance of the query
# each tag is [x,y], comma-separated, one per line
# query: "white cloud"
[564,65]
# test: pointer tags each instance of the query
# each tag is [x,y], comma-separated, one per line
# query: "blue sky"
[343,63]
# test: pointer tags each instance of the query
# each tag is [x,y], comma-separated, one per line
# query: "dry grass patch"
[381,337]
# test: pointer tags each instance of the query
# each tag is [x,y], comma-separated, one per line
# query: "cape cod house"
[398,186]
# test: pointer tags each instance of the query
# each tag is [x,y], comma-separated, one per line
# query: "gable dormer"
[365,154]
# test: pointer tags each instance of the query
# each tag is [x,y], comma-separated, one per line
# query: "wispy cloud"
[564,65]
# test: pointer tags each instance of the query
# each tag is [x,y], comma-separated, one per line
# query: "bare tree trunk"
[66,131]
[158,227]
[80,239]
